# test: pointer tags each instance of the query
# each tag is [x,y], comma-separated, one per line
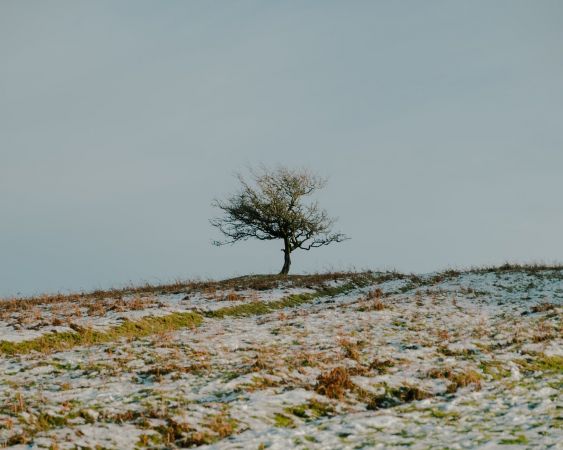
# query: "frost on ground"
[376,360]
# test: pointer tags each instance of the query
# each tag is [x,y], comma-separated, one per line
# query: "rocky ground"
[339,361]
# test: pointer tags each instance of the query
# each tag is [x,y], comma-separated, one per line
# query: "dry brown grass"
[543,331]
[261,362]
[443,334]
[374,294]
[457,378]
[157,373]
[334,383]
[372,301]
[351,349]
[514,267]
[267,282]
[18,404]
[394,396]
[303,359]
[376,305]
[63,313]
[221,424]
[232,296]
[96,309]
[266,359]
[7,423]
[19,304]
[163,338]
[543,307]
[262,382]
[381,365]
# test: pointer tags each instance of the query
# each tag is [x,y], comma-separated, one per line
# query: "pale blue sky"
[439,124]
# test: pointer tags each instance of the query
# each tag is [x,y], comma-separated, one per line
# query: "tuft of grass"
[464,353]
[457,378]
[543,331]
[381,365]
[260,383]
[333,384]
[175,433]
[394,396]
[372,301]
[302,359]
[46,422]
[495,369]
[311,410]
[222,425]
[351,349]
[85,336]
[158,372]
[543,307]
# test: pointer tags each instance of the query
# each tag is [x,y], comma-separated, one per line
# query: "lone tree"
[271,206]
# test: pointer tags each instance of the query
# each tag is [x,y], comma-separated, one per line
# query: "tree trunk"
[286,258]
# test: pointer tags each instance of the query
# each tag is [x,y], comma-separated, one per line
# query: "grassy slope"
[151,325]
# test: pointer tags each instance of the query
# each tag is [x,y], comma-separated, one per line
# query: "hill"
[340,360]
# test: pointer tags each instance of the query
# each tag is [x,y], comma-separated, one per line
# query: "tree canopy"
[270,205]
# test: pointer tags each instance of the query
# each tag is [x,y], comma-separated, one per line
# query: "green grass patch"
[259,308]
[311,410]
[283,421]
[291,301]
[128,329]
[542,363]
[45,422]
[520,439]
[440,414]
[395,396]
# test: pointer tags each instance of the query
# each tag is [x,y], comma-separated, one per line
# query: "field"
[469,359]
